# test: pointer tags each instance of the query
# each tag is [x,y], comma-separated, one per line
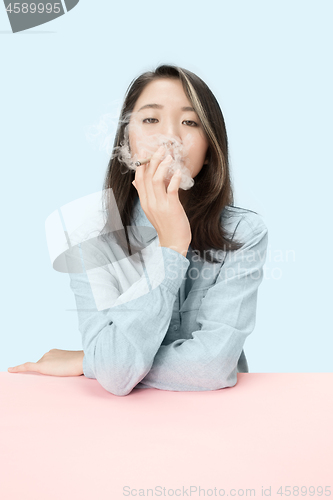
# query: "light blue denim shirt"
[167,321]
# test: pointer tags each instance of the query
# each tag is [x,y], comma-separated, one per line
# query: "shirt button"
[175,327]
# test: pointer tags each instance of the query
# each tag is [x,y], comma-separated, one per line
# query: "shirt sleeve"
[227,314]
[120,341]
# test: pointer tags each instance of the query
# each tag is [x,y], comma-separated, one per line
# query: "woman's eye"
[147,120]
[192,123]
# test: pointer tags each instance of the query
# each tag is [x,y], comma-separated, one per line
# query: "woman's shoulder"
[242,221]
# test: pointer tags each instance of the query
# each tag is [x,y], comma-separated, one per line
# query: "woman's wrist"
[78,361]
[81,360]
[182,249]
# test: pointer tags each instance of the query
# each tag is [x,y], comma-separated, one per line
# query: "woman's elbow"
[227,381]
[120,382]
[117,389]
[214,379]
[121,392]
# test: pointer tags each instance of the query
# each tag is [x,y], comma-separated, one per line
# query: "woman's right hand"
[161,204]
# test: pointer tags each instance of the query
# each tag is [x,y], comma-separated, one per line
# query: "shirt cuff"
[87,372]
[167,267]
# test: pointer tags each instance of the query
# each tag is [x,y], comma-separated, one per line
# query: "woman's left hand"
[57,362]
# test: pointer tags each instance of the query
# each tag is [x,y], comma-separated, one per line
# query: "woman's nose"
[171,137]
[172,144]
[170,130]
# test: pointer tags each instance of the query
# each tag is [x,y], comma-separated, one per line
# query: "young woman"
[176,317]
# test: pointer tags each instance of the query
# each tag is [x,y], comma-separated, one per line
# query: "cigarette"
[142,162]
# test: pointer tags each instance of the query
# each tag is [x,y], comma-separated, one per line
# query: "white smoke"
[149,145]
[104,132]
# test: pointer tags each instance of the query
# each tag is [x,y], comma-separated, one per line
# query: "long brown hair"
[212,192]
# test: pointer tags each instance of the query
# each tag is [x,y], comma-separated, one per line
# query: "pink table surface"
[68,438]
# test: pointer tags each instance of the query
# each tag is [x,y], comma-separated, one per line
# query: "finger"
[174,184]
[160,175]
[156,159]
[25,367]
[150,172]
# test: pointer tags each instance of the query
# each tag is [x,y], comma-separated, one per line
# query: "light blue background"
[269,65]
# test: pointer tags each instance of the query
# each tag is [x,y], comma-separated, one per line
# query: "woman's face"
[163,111]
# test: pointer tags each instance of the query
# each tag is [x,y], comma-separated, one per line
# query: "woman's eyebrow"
[159,106]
